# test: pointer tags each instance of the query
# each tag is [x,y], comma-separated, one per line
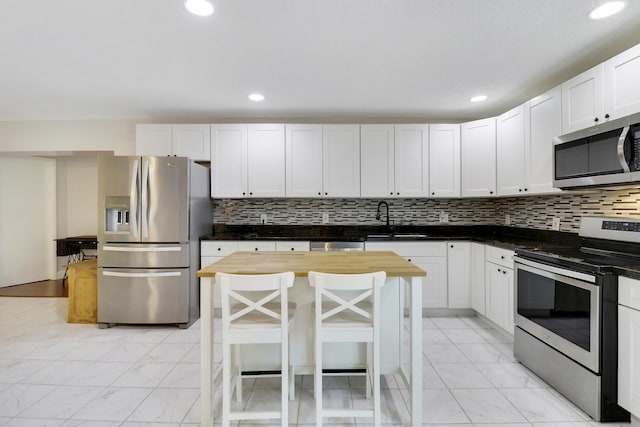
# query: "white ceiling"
[313,59]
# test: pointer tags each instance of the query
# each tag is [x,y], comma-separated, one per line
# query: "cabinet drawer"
[629,292]
[500,256]
[256,246]
[410,249]
[295,246]
[218,248]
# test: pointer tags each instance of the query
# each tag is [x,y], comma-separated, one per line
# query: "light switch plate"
[263,218]
[555,224]
[444,217]
[507,219]
[325,218]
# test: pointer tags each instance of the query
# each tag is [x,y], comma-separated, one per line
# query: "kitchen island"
[399,271]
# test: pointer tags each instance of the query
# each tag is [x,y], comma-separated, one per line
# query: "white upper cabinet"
[411,160]
[303,160]
[511,152]
[479,158]
[622,84]
[377,161]
[341,161]
[266,160]
[247,161]
[543,121]
[192,141]
[229,161]
[394,160]
[444,160]
[582,100]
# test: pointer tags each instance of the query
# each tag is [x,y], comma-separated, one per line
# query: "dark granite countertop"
[506,237]
[502,236]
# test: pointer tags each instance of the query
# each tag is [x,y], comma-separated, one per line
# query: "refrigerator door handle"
[133,202]
[129,249]
[163,274]
[145,199]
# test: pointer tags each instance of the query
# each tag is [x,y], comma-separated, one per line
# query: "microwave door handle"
[145,199]
[133,198]
[623,161]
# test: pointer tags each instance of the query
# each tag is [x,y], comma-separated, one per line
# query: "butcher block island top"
[303,262]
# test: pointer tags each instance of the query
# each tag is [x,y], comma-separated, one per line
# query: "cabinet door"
[377,161]
[154,140]
[459,274]
[582,100]
[341,160]
[229,161]
[292,246]
[411,160]
[510,152]
[434,285]
[622,90]
[303,160]
[478,154]
[265,160]
[628,356]
[543,121]
[478,278]
[444,160]
[192,141]
[499,297]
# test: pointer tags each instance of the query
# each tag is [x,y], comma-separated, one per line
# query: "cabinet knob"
[250,193]
[490,192]
[596,120]
[525,189]
[520,190]
[397,194]
[326,194]
[391,194]
[409,259]
[244,194]
[452,246]
[219,249]
[433,194]
[292,249]
[606,116]
[319,193]
[255,249]
[501,256]
[504,272]
[499,270]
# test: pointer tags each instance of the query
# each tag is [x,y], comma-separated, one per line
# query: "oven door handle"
[561,271]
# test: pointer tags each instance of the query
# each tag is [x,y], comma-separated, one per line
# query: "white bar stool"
[252,314]
[347,309]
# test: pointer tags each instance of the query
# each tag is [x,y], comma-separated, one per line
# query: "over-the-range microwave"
[604,155]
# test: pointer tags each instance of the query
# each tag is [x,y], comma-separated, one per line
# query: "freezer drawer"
[143,295]
[128,255]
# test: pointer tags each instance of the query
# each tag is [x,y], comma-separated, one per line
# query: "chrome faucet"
[378,213]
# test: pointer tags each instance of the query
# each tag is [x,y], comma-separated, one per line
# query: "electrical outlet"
[555,224]
[325,218]
[444,217]
[263,218]
[507,219]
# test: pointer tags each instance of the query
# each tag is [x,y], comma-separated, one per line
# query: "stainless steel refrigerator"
[151,214]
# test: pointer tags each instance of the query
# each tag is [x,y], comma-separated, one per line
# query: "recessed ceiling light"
[478,98]
[199,7]
[256,97]
[607,9]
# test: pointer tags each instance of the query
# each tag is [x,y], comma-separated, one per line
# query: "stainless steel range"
[566,313]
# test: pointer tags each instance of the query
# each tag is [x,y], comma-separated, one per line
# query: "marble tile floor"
[57,374]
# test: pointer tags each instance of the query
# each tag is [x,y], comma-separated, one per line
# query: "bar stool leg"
[317,391]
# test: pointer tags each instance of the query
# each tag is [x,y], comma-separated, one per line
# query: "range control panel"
[621,226]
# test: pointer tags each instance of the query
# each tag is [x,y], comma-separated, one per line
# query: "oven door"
[559,307]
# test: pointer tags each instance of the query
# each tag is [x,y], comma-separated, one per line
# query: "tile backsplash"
[528,212]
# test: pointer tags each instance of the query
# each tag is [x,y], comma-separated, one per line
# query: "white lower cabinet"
[214,250]
[459,274]
[499,287]
[429,256]
[629,345]
[477,278]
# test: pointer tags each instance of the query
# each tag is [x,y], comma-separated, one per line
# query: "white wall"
[77,195]
[27,220]
[54,137]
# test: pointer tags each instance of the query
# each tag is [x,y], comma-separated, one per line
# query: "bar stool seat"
[347,309]
[255,310]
